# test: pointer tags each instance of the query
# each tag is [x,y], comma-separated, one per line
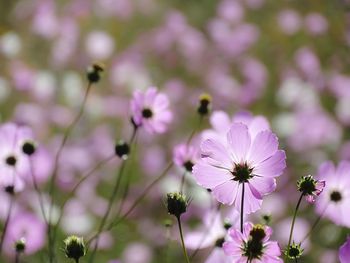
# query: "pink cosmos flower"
[334,202]
[344,252]
[244,160]
[185,156]
[150,110]
[14,164]
[252,245]
[26,225]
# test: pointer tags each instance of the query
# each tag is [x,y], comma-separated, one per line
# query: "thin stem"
[73,191]
[194,130]
[7,221]
[105,216]
[183,182]
[116,221]
[37,190]
[314,224]
[55,170]
[182,239]
[293,222]
[242,207]
[296,260]
[18,254]
[208,228]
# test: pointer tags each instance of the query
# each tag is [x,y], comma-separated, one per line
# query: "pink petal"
[251,203]
[263,185]
[273,166]
[265,145]
[150,96]
[209,176]
[225,193]
[239,139]
[220,121]
[160,103]
[216,154]
[257,125]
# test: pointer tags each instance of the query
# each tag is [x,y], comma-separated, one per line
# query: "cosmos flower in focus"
[244,160]
[252,245]
[334,202]
[150,110]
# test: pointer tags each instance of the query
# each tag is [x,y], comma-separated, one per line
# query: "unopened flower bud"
[122,149]
[176,204]
[20,245]
[310,187]
[294,251]
[28,148]
[204,104]
[74,247]
[94,72]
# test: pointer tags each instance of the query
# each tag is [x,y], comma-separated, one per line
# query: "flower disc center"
[242,172]
[147,113]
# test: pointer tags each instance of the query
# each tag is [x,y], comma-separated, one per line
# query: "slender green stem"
[314,224]
[242,207]
[293,222]
[7,221]
[72,192]
[17,257]
[105,216]
[183,182]
[37,190]
[52,237]
[208,228]
[117,221]
[182,239]
[194,130]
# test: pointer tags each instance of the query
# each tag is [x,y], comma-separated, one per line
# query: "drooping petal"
[225,193]
[209,176]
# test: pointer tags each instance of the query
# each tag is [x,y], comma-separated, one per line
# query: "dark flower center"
[147,113]
[254,247]
[219,242]
[11,160]
[242,172]
[188,166]
[293,252]
[10,189]
[336,196]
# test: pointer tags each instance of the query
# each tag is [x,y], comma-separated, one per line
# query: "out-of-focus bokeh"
[286,60]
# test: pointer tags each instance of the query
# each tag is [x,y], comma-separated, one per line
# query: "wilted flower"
[310,187]
[253,161]
[252,245]
[150,110]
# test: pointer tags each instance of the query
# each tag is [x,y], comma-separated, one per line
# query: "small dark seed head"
[11,160]
[10,189]
[294,251]
[188,166]
[94,72]
[28,148]
[336,196]
[147,113]
[20,245]
[204,104]
[176,204]
[122,149]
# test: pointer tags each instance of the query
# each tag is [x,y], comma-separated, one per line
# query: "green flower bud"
[176,204]
[74,247]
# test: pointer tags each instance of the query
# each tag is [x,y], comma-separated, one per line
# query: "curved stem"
[116,221]
[242,207]
[105,216]
[55,171]
[293,222]
[182,240]
[37,190]
[7,221]
[209,227]
[314,224]
[17,257]
[194,130]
